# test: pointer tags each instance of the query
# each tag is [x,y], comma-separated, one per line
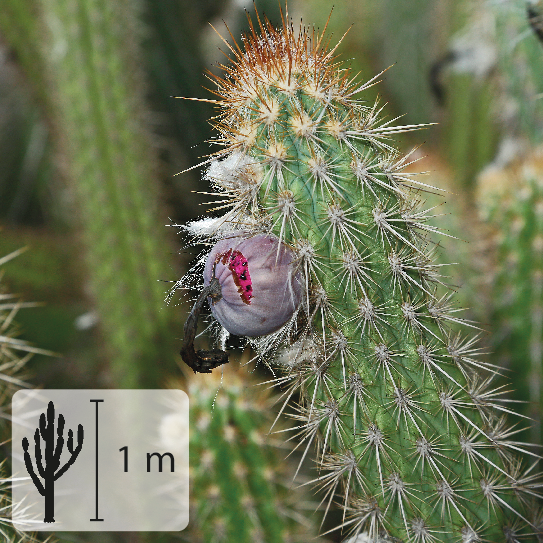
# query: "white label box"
[100,460]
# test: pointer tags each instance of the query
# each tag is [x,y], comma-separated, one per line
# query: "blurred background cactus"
[241,479]
[511,202]
[90,139]
[98,114]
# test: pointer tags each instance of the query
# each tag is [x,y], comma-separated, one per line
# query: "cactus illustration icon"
[50,471]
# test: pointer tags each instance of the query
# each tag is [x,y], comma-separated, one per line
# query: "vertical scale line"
[96,466]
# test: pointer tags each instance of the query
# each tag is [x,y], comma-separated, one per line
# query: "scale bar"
[96,467]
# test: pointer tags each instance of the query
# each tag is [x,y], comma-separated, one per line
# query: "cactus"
[509,196]
[14,354]
[87,55]
[241,485]
[7,530]
[510,199]
[519,48]
[508,192]
[411,434]
[501,43]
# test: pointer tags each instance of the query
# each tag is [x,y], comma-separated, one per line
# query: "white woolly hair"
[216,228]
[229,171]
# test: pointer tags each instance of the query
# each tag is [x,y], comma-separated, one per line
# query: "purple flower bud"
[259,290]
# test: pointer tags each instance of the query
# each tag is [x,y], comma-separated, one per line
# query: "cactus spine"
[410,436]
[241,485]
[14,353]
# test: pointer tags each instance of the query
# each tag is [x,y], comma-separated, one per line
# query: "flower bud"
[260,291]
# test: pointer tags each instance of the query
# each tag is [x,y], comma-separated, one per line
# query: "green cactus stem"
[511,203]
[519,48]
[241,484]
[411,434]
[501,45]
[89,60]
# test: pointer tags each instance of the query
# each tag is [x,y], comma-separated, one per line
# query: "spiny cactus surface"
[14,353]
[411,435]
[241,484]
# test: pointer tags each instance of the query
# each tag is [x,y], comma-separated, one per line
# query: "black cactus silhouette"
[48,472]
